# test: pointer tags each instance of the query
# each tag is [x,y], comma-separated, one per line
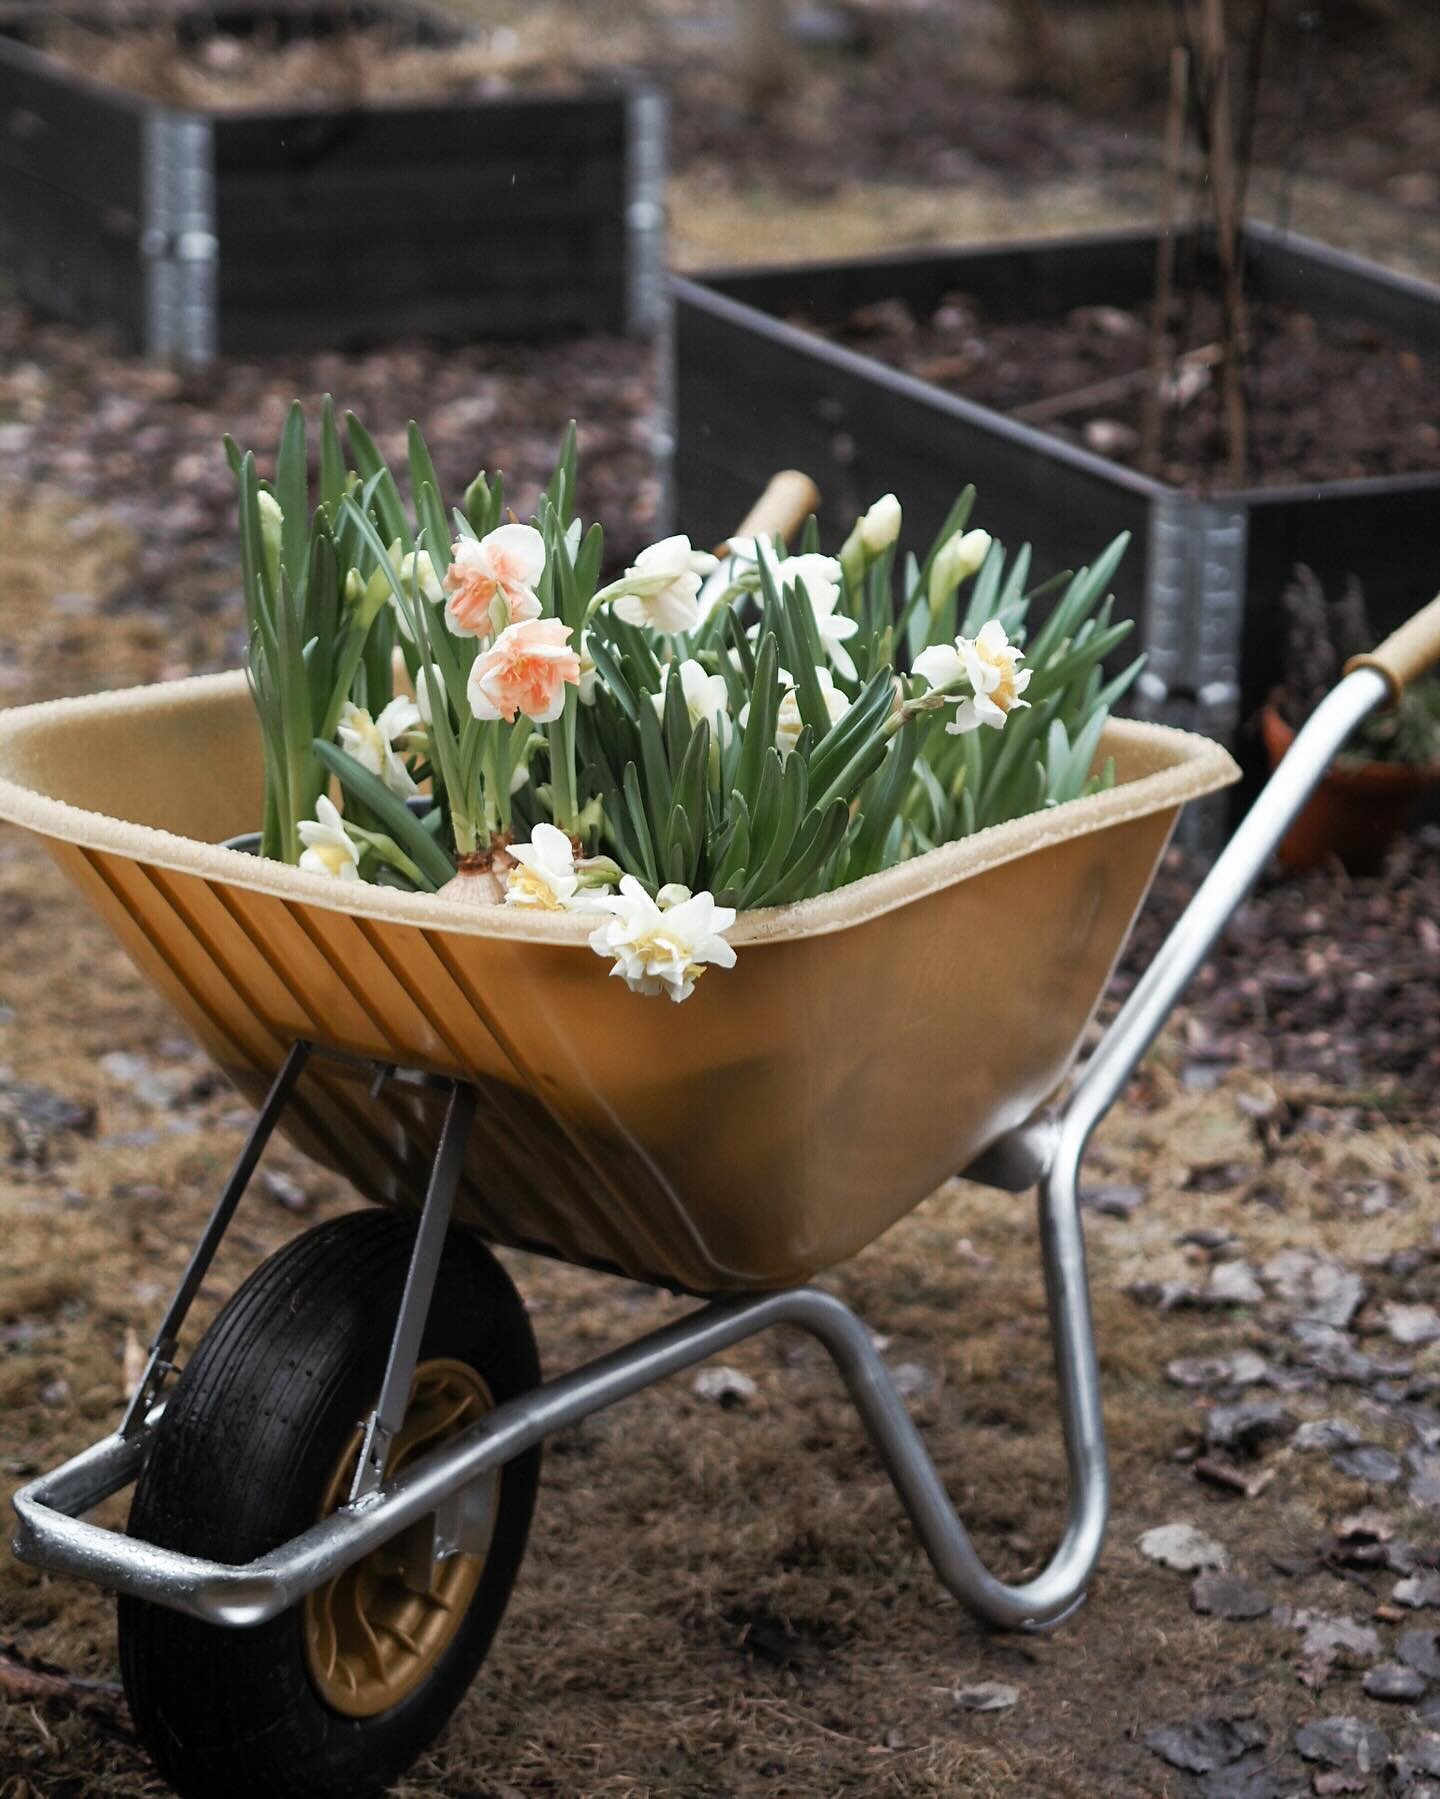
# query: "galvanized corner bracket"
[178,240]
[1194,617]
[646,160]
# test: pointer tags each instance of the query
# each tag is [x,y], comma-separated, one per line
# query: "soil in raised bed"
[355,65]
[1327,400]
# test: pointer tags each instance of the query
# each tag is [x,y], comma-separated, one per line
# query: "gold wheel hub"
[376,1632]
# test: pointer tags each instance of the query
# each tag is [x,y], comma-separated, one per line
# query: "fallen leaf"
[290,1194]
[1344,1742]
[1327,1640]
[1182,1547]
[1228,1596]
[1412,1324]
[1420,1649]
[1370,1523]
[1418,1590]
[986,1696]
[1205,1744]
[1322,1289]
[1325,1433]
[1234,1283]
[1370,1462]
[1245,1428]
[725,1386]
[1394,1681]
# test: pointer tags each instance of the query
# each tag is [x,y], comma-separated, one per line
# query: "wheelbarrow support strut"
[1045,1154]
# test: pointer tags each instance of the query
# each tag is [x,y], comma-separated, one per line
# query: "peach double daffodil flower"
[526,670]
[491,581]
[990,663]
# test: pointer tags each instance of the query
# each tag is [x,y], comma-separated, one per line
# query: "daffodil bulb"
[957,559]
[543,878]
[706,696]
[328,847]
[661,588]
[662,945]
[372,741]
[989,662]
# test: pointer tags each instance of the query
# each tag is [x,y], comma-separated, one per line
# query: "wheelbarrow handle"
[1406,653]
[788,500]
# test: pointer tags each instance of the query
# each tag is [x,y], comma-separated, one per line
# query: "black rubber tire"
[252,1434]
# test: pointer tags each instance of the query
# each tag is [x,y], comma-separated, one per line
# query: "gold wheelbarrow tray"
[480,1063]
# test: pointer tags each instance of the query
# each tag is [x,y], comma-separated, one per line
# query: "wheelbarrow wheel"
[340,1694]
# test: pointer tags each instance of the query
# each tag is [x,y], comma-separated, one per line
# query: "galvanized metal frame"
[179,240]
[646,160]
[1046,1154]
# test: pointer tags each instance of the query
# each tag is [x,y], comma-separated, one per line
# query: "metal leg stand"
[389,1413]
[161,1363]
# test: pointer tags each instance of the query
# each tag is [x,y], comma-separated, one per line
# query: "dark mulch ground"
[143,442]
[1325,981]
[1327,400]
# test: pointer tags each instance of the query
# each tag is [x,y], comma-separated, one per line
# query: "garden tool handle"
[1406,653]
[788,500]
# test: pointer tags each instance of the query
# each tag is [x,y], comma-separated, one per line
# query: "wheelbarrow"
[332,1499]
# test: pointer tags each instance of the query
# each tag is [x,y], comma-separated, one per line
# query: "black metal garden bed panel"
[1204,576]
[198,232]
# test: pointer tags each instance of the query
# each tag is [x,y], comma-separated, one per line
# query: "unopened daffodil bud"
[880,527]
[477,502]
[272,523]
[957,559]
[877,528]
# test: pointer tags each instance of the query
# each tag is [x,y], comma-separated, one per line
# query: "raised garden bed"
[755,381]
[249,228]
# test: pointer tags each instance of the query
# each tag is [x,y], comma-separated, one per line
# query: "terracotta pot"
[1355,813]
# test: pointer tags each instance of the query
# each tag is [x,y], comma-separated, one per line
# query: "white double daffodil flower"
[990,663]
[662,945]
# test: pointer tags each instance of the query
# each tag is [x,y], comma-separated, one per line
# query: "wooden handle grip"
[1407,652]
[788,500]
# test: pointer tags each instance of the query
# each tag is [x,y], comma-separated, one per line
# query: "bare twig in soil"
[27,1681]
[1077,399]
[1115,387]
[1161,341]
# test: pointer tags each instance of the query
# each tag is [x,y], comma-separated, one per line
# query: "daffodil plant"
[701,735]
